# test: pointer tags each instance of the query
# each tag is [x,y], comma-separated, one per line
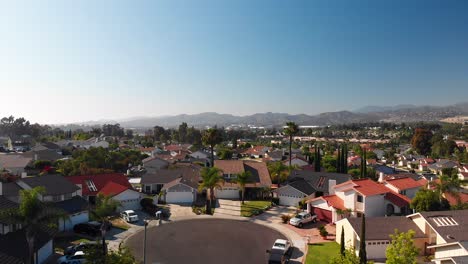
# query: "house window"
[57,198]
[67,196]
[360,198]
[403,192]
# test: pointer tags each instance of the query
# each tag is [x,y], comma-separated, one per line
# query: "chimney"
[331,185]
[381,177]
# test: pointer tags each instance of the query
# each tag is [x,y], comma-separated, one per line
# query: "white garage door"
[179,197]
[376,249]
[289,200]
[227,193]
[130,204]
[44,252]
[68,224]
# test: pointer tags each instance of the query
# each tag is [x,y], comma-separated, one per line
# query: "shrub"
[285,218]
[148,206]
[275,200]
[323,231]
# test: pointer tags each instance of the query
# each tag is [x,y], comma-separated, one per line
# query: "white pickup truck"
[302,218]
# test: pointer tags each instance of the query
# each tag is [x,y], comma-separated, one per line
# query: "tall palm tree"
[211,179]
[211,137]
[105,207]
[33,215]
[278,171]
[291,130]
[447,184]
[242,179]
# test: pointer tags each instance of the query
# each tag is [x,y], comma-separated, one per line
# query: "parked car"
[92,228]
[280,252]
[303,218]
[129,216]
[83,246]
[77,258]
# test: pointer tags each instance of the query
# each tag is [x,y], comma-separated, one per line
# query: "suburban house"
[383,170]
[153,183]
[47,146]
[405,186]
[260,178]
[20,143]
[112,184]
[16,164]
[442,164]
[201,156]
[84,144]
[62,193]
[424,164]
[378,231]
[275,155]
[297,161]
[362,196]
[256,152]
[303,184]
[446,234]
[354,161]
[152,164]
[184,188]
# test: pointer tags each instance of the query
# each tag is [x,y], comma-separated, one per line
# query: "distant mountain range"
[399,113]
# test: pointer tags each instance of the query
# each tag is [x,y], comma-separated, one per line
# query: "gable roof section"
[74,205]
[404,183]
[230,166]
[449,232]
[99,181]
[302,186]
[366,187]
[318,180]
[260,176]
[14,244]
[332,200]
[53,183]
[398,199]
[113,188]
[14,161]
[380,228]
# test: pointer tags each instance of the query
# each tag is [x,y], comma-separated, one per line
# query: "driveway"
[228,208]
[206,241]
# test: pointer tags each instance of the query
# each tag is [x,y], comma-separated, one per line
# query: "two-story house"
[405,186]
[362,196]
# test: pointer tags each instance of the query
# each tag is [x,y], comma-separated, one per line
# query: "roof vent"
[444,221]
[450,237]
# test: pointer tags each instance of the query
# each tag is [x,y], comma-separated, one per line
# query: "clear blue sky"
[66,61]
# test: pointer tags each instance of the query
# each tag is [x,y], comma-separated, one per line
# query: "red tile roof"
[405,183]
[112,188]
[398,199]
[334,201]
[100,181]
[368,187]
[453,200]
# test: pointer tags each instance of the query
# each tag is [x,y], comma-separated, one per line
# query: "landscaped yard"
[322,253]
[250,207]
[63,242]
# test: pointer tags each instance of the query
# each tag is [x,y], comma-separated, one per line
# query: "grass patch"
[251,208]
[322,253]
[118,222]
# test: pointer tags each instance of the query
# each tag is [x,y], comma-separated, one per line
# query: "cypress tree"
[346,158]
[317,159]
[362,244]
[338,162]
[342,246]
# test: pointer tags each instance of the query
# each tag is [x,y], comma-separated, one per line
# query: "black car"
[83,246]
[88,229]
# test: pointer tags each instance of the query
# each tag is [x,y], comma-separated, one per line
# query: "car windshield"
[131,214]
[279,245]
[298,216]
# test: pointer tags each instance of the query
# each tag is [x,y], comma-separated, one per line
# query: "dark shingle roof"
[54,184]
[161,176]
[14,244]
[73,205]
[460,259]
[318,180]
[450,233]
[380,228]
[303,186]
[10,189]
[6,259]
[7,204]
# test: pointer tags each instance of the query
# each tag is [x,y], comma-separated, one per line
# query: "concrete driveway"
[206,241]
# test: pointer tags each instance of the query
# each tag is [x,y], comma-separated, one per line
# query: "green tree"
[291,130]
[211,179]
[242,179]
[349,257]
[278,171]
[363,168]
[211,137]
[362,243]
[105,207]
[402,249]
[342,242]
[421,141]
[33,215]
[122,256]
[317,159]
[426,200]
[447,184]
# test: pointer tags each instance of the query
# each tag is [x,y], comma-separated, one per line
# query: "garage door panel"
[227,194]
[323,214]
[288,200]
[179,197]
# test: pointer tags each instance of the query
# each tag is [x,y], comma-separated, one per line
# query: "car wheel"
[300,225]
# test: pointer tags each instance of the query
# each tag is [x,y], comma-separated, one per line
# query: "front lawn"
[322,253]
[250,208]
[63,242]
[118,222]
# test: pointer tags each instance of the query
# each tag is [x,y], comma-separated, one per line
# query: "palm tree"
[447,184]
[291,130]
[211,179]
[33,215]
[211,137]
[278,171]
[105,207]
[242,179]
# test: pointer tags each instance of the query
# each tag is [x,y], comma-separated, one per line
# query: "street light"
[146,221]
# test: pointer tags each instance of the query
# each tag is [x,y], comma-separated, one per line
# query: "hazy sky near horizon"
[67,61]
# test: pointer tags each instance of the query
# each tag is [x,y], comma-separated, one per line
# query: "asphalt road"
[206,241]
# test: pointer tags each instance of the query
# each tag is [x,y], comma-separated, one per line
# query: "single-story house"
[378,231]
[14,163]
[113,184]
[152,164]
